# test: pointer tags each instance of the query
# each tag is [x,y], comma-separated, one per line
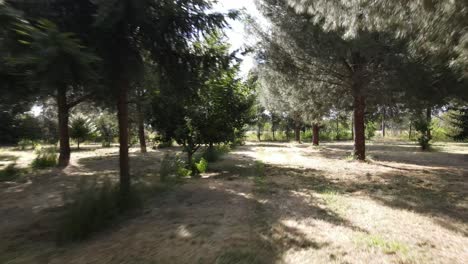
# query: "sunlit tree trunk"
[315,139]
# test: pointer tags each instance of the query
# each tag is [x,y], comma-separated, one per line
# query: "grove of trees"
[166,66]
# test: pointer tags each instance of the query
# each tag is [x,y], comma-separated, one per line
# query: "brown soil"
[304,205]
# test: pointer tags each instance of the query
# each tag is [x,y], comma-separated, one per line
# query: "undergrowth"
[95,206]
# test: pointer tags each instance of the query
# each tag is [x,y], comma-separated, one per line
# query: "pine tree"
[340,71]
[460,121]
[435,28]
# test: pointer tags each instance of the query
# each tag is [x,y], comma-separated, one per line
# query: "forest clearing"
[261,203]
[233,131]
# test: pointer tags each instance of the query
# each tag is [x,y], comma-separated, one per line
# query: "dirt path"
[304,205]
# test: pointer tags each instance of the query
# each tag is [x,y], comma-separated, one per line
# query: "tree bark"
[141,128]
[410,130]
[63,116]
[359,127]
[428,120]
[122,116]
[316,129]
[352,126]
[383,122]
[297,133]
[337,128]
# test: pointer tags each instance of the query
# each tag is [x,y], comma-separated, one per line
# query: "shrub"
[202,165]
[424,140]
[45,158]
[173,168]
[24,144]
[306,136]
[165,144]
[259,169]
[9,173]
[371,127]
[94,207]
[214,153]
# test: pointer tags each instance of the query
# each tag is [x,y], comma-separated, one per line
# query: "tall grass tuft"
[45,158]
[95,206]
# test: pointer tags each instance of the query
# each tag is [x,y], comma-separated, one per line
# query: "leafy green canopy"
[216,105]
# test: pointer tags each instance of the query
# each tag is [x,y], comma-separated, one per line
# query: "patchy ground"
[262,203]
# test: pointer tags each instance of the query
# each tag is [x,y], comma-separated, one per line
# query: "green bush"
[45,158]
[93,207]
[173,168]
[424,140]
[24,144]
[10,173]
[214,153]
[371,128]
[306,136]
[202,165]
[165,144]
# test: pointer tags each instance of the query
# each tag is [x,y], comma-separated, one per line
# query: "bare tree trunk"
[259,133]
[63,116]
[410,129]
[383,122]
[337,128]
[428,120]
[315,139]
[359,127]
[122,115]
[352,126]
[141,128]
[297,133]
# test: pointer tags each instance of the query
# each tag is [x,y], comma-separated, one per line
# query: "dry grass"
[262,203]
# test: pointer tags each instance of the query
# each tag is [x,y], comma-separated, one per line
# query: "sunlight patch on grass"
[387,246]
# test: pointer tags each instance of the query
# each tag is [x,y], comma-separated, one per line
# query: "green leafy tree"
[60,67]
[107,129]
[81,129]
[217,105]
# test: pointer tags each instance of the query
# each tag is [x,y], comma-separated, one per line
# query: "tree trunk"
[63,116]
[316,129]
[383,122]
[428,120]
[337,128]
[297,133]
[122,115]
[141,128]
[78,143]
[359,127]
[410,130]
[273,132]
